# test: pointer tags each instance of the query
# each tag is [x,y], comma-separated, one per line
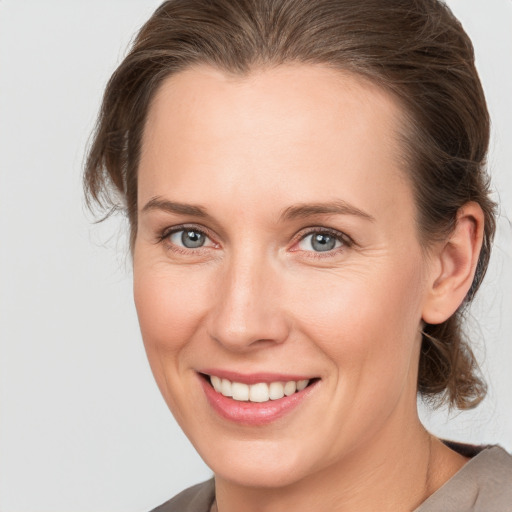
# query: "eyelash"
[164,238]
[345,240]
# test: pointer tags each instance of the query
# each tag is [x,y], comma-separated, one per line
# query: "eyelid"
[164,235]
[345,239]
[303,246]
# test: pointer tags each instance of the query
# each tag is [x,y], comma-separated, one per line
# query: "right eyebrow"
[159,203]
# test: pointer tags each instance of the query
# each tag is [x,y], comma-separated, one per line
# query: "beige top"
[484,484]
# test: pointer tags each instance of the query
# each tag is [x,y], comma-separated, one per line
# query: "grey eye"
[319,242]
[189,238]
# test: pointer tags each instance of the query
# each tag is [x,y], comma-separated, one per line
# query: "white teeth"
[276,390]
[290,387]
[260,392]
[225,387]
[216,383]
[301,384]
[240,391]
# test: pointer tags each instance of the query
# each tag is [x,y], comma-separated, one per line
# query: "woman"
[310,214]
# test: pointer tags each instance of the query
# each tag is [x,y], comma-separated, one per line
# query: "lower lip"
[253,413]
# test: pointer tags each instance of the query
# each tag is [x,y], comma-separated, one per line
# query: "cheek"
[170,309]
[364,321]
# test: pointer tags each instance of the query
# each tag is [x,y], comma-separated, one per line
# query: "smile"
[256,399]
[259,392]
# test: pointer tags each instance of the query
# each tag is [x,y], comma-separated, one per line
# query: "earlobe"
[453,265]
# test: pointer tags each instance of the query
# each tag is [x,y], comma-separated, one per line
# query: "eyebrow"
[338,207]
[158,203]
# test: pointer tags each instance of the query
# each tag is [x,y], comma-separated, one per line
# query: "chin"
[256,476]
[257,464]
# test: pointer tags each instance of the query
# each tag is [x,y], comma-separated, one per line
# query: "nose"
[247,312]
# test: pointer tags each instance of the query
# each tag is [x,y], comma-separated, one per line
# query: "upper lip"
[254,377]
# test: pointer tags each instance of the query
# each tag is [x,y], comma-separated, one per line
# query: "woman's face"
[277,243]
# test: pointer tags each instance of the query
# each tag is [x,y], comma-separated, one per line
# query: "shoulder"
[198,498]
[483,484]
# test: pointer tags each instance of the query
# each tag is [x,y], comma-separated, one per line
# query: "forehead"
[308,125]
[294,95]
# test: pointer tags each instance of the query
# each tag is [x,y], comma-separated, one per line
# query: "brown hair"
[414,48]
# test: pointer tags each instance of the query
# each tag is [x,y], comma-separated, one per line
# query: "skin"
[258,298]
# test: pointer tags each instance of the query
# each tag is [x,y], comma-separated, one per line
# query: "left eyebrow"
[338,207]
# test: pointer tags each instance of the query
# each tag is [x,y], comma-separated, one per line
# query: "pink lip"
[253,378]
[251,413]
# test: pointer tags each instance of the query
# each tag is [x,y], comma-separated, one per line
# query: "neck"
[396,472]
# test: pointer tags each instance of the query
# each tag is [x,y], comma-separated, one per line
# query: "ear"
[453,265]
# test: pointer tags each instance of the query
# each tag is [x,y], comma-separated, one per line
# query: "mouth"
[259,400]
[259,392]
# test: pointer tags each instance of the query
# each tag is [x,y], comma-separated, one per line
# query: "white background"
[82,425]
